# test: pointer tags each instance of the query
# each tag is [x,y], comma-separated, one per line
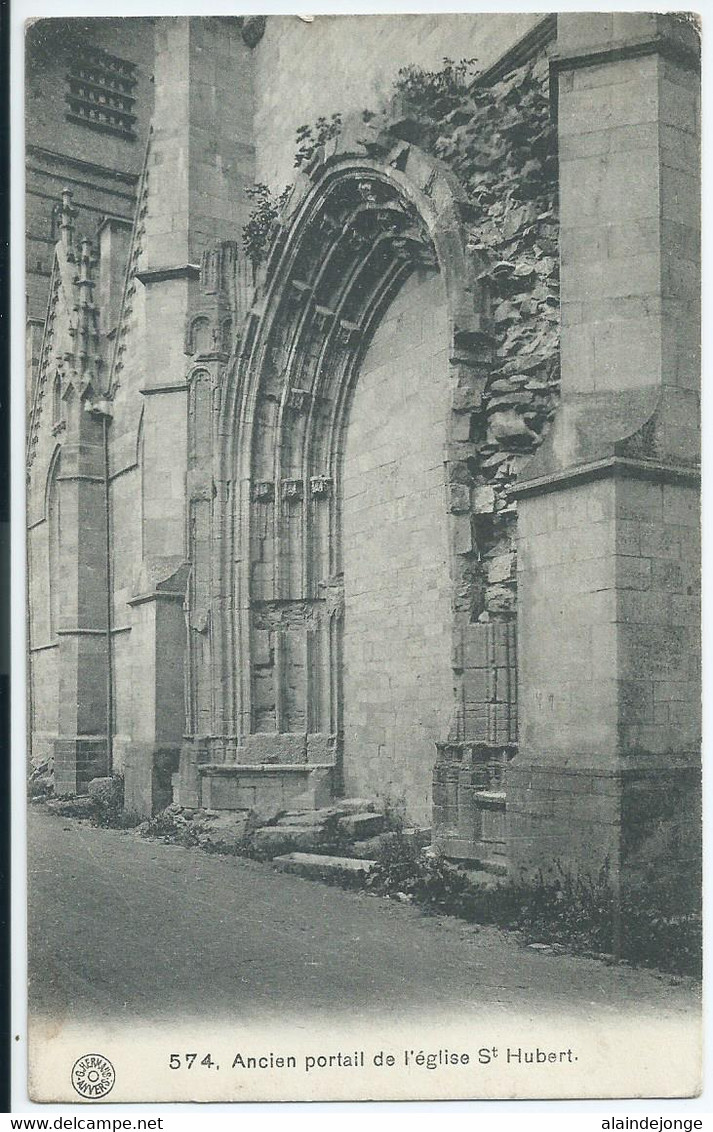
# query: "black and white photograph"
[363,573]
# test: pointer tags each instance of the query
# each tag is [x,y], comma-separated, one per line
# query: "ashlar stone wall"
[397,592]
[357,65]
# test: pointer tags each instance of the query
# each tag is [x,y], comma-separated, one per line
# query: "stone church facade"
[298,525]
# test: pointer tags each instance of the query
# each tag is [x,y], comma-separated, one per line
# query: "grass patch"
[657,924]
[104,807]
[170,826]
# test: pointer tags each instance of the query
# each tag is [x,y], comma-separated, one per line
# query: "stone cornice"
[157,595]
[605,469]
[85,166]
[163,274]
[85,477]
[172,387]
[82,632]
[632,49]
[269,770]
[119,221]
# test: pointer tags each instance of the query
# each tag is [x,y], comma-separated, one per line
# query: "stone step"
[338,809]
[361,825]
[280,839]
[344,808]
[304,819]
[372,846]
[319,865]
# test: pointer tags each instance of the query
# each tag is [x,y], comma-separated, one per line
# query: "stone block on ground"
[303,806]
[320,865]
[373,846]
[418,836]
[482,878]
[276,839]
[361,825]
[495,866]
[226,829]
[223,837]
[341,807]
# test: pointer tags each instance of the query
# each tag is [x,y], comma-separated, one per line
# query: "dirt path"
[121,926]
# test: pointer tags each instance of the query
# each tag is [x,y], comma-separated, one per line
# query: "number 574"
[178,1060]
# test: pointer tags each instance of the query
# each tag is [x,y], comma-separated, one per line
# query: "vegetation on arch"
[500,143]
[262,224]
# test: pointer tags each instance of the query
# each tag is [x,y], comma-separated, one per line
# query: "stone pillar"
[609,763]
[201,159]
[158,645]
[81,749]
[83,744]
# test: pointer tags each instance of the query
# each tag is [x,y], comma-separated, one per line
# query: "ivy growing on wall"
[432,95]
[500,143]
[310,138]
[262,223]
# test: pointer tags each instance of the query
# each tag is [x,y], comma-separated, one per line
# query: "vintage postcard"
[362,457]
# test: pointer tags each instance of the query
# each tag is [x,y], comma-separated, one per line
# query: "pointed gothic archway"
[357,230]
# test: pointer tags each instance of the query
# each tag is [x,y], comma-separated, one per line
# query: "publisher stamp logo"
[93,1076]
